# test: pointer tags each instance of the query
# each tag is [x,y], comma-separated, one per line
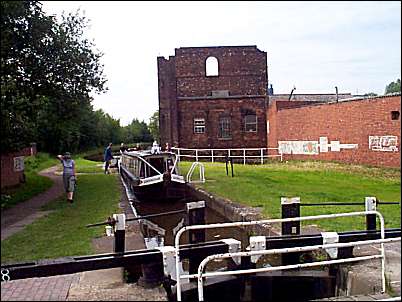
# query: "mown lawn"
[264,185]
[62,232]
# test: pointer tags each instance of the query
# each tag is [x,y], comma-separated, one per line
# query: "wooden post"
[195,215]
[290,209]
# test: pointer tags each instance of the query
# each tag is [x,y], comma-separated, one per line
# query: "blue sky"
[314,46]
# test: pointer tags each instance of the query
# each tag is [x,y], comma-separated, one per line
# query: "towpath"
[22,214]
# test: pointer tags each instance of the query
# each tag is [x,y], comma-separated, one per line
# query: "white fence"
[260,154]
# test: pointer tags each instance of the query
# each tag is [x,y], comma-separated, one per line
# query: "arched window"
[211,67]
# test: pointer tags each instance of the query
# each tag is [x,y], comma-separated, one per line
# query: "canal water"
[170,222]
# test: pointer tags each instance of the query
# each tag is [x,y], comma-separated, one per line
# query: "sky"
[313,46]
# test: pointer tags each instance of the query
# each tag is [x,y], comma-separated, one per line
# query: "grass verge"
[62,232]
[263,186]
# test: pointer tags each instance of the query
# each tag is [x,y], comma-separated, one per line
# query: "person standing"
[69,179]
[108,156]
[123,148]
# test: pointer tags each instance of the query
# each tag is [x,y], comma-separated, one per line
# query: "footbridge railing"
[241,154]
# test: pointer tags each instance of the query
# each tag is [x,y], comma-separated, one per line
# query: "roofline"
[317,103]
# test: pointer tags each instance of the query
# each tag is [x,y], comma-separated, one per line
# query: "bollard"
[371,205]
[119,232]
[195,215]
[290,209]
[229,159]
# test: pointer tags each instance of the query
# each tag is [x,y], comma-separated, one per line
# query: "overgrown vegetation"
[264,185]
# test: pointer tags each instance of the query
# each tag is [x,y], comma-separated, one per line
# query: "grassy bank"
[34,183]
[264,185]
[62,232]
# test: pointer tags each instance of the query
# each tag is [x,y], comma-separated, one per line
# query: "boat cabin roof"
[148,153]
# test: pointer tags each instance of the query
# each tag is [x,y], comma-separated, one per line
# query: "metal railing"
[200,275]
[191,171]
[214,154]
[269,221]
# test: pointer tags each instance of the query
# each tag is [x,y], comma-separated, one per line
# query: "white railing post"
[228,152]
[244,156]
[262,156]
[178,153]
[212,154]
[196,154]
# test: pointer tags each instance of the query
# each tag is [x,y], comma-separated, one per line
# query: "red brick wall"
[9,177]
[167,101]
[350,122]
[242,71]
[210,110]
[186,91]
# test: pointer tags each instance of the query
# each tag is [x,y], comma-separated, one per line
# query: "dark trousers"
[107,163]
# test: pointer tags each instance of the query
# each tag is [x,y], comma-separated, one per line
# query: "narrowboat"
[152,174]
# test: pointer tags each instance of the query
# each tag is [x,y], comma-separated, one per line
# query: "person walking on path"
[69,179]
[108,157]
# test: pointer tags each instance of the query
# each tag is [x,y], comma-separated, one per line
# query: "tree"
[370,94]
[153,126]
[138,132]
[393,87]
[48,70]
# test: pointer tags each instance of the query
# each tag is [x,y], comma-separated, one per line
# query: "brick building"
[213,97]
[217,97]
[12,166]
[357,130]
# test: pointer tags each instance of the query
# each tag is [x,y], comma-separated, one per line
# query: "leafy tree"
[393,87]
[138,132]
[153,125]
[48,70]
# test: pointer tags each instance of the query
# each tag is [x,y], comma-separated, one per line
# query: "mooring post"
[195,215]
[371,205]
[119,232]
[229,159]
[290,209]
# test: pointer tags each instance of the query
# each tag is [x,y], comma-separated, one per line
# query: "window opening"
[224,127]
[211,67]
[250,123]
[395,115]
[199,125]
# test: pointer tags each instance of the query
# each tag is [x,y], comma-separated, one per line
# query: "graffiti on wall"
[313,147]
[383,143]
[298,147]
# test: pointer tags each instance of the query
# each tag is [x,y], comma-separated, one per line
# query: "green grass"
[264,185]
[87,166]
[34,183]
[62,232]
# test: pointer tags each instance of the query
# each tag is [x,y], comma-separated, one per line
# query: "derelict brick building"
[213,97]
